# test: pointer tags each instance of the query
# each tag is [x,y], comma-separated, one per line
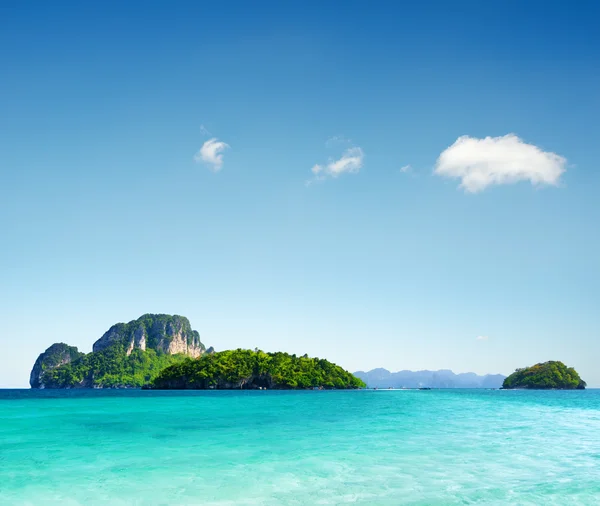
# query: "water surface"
[299,448]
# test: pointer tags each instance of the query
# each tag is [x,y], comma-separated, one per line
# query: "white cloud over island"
[211,154]
[480,163]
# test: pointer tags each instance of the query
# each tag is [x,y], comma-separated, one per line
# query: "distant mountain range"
[444,378]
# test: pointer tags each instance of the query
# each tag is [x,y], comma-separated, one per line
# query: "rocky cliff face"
[58,354]
[163,333]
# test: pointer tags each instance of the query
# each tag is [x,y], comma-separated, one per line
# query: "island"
[161,351]
[247,370]
[128,355]
[552,375]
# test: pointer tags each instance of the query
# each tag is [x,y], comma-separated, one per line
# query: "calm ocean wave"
[299,448]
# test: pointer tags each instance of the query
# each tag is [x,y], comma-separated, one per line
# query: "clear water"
[300,448]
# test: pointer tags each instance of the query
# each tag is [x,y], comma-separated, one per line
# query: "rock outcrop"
[58,354]
[127,355]
[163,333]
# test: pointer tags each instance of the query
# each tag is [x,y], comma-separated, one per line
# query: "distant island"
[444,378]
[246,369]
[552,375]
[163,352]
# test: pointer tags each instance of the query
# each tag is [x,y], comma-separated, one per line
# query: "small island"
[255,370]
[552,375]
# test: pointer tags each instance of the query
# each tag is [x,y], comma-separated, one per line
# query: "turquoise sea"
[300,448]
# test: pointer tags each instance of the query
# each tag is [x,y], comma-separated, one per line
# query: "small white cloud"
[211,153]
[479,163]
[351,161]
[204,131]
[405,168]
[481,338]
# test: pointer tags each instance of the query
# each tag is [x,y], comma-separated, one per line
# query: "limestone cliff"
[163,333]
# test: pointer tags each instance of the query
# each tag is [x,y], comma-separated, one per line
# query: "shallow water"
[300,448]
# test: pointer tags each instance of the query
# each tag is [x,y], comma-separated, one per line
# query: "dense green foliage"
[111,367]
[255,369]
[547,375]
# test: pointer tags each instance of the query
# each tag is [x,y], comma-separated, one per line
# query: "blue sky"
[110,210]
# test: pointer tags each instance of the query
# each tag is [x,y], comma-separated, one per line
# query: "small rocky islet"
[162,351]
[551,375]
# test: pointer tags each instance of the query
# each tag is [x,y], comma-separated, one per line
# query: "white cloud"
[405,168]
[351,161]
[204,131]
[211,153]
[482,338]
[479,163]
